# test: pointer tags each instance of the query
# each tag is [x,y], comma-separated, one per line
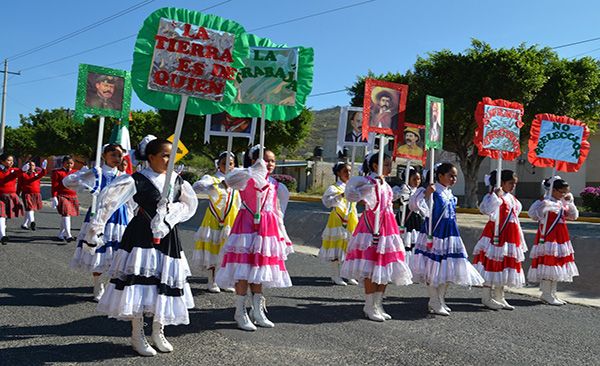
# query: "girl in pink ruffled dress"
[376,259]
[255,252]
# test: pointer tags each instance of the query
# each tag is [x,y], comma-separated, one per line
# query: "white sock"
[30,216]
[26,222]
[61,232]
[2,226]
[67,226]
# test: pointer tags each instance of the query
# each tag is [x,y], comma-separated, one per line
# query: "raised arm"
[207,185]
[332,197]
[490,204]
[418,203]
[176,212]
[83,180]
[361,189]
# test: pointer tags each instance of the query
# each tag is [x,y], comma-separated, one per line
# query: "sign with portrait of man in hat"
[103,92]
[384,107]
[410,147]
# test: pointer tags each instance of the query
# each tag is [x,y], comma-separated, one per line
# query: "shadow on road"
[92,326]
[76,353]
[45,297]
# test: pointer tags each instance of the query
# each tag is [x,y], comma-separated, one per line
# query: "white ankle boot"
[259,307]
[211,286]
[158,338]
[335,274]
[138,338]
[547,296]
[241,316]
[442,294]
[371,310]
[98,288]
[488,301]
[352,281]
[378,301]
[435,305]
[499,297]
[554,284]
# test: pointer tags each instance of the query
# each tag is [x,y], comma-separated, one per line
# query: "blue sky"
[382,36]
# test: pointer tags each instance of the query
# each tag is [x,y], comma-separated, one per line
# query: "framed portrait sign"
[350,128]
[498,128]
[384,107]
[102,92]
[410,145]
[223,124]
[434,122]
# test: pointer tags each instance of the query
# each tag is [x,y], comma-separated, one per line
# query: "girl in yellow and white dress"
[341,224]
[222,209]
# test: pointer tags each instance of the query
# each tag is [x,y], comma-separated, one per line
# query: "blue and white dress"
[443,259]
[101,259]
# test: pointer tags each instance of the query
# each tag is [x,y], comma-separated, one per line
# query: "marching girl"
[340,225]
[64,200]
[98,260]
[376,259]
[223,206]
[255,252]
[500,262]
[412,219]
[442,259]
[552,255]
[149,270]
[10,204]
[29,188]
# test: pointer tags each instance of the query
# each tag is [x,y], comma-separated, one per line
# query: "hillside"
[323,133]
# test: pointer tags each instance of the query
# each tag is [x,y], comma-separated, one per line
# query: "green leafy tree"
[533,76]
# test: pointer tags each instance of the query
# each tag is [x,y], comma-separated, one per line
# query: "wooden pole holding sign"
[229,148]
[171,165]
[98,165]
[547,196]
[262,132]
[380,160]
[498,185]
[431,181]
[353,159]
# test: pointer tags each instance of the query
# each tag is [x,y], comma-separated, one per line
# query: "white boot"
[138,338]
[241,316]
[442,293]
[378,302]
[352,281]
[488,301]
[259,307]
[98,288]
[158,338]
[554,283]
[211,285]
[371,310]
[335,274]
[546,287]
[499,297]
[435,306]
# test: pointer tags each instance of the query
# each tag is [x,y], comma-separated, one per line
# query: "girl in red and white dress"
[376,259]
[255,252]
[552,255]
[499,259]
[10,205]
[64,200]
[29,189]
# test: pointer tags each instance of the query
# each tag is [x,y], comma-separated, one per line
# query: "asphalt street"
[47,317]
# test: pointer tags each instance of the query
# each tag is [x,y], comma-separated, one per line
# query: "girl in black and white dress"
[148,276]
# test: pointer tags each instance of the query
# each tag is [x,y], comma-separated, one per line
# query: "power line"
[78,53]
[576,43]
[312,15]
[329,92]
[585,53]
[81,30]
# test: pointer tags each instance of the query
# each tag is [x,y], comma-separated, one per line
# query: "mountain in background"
[323,133]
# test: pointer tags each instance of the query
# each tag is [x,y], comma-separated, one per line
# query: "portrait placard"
[434,123]
[223,124]
[102,91]
[410,145]
[384,107]
[350,128]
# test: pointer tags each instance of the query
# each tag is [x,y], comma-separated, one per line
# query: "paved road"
[46,317]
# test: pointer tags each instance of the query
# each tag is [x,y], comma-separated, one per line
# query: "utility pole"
[3,118]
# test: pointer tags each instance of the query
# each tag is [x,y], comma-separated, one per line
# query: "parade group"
[242,242]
